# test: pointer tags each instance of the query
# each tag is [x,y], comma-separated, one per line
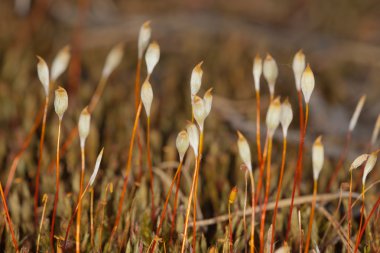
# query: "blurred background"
[340,38]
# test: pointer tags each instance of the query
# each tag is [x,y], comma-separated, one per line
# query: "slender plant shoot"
[84,130]
[307,87]
[43,75]
[257,70]
[245,155]
[272,122]
[270,71]
[286,118]
[318,159]
[147,98]
[60,106]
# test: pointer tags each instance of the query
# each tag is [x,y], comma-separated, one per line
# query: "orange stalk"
[127,171]
[192,191]
[174,214]
[349,213]
[162,218]
[252,241]
[361,232]
[150,169]
[244,209]
[263,213]
[361,217]
[261,172]
[40,153]
[231,200]
[73,215]
[188,209]
[57,188]
[258,138]
[298,172]
[283,159]
[299,179]
[307,245]
[137,83]
[77,238]
[92,231]
[195,193]
[137,101]
[8,217]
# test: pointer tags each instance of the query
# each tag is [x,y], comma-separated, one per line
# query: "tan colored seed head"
[144,37]
[60,63]
[196,79]
[207,99]
[84,126]
[299,64]
[113,60]
[355,116]
[193,133]
[60,102]
[182,144]
[307,83]
[152,56]
[286,116]
[270,71]
[199,111]
[257,70]
[43,74]
[359,161]
[244,151]
[318,157]
[147,96]
[370,164]
[273,116]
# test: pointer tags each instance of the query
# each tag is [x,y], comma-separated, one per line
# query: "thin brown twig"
[323,198]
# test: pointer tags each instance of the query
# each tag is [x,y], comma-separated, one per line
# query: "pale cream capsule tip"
[299,64]
[273,116]
[182,143]
[317,157]
[196,79]
[244,150]
[257,70]
[43,74]
[152,56]
[84,125]
[60,63]
[193,133]
[144,37]
[60,101]
[147,96]
[307,83]
[370,164]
